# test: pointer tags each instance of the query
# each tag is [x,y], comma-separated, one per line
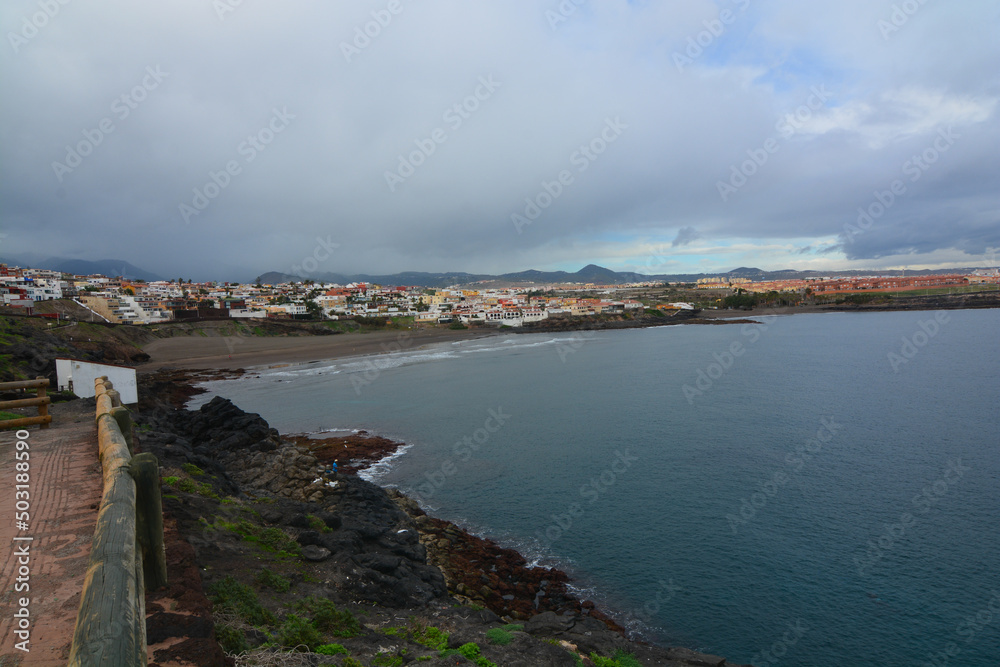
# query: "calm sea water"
[829,494]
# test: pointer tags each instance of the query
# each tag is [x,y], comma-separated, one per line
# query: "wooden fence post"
[124,419]
[145,470]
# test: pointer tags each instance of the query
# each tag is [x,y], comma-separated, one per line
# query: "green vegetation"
[297,631]
[499,636]
[274,581]
[4,415]
[387,660]
[514,627]
[231,640]
[232,596]
[620,659]
[270,539]
[171,481]
[326,617]
[470,651]
[331,649]
[192,470]
[350,662]
[457,325]
[317,523]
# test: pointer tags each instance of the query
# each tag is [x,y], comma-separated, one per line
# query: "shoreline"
[365,545]
[367,451]
[237,353]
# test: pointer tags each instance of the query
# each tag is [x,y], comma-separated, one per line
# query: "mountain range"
[588,274]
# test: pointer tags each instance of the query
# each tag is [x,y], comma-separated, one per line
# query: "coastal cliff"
[340,569]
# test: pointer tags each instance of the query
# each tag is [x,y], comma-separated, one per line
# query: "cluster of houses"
[124,301]
[874,283]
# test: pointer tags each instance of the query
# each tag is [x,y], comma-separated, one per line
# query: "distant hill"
[589,274]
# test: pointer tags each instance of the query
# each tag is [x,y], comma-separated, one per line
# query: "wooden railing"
[41,400]
[126,555]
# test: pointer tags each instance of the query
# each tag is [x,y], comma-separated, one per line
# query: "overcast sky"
[219,140]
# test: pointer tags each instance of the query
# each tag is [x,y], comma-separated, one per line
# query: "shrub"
[172,480]
[240,599]
[274,581]
[331,649]
[387,660]
[350,662]
[317,523]
[276,540]
[187,485]
[499,636]
[470,651]
[328,618]
[620,659]
[431,637]
[296,631]
[231,640]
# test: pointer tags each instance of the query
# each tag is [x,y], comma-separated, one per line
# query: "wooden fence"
[41,400]
[126,555]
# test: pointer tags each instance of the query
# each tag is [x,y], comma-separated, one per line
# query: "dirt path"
[65,490]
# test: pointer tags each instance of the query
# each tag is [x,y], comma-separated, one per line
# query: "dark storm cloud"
[384,136]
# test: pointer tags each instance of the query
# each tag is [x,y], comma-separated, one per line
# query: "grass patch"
[328,618]
[317,523]
[274,581]
[620,659]
[499,636]
[270,539]
[297,631]
[192,470]
[331,649]
[470,651]
[5,415]
[230,595]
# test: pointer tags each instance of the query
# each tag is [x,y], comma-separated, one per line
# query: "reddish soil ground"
[65,481]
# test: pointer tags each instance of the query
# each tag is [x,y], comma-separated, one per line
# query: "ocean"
[816,489]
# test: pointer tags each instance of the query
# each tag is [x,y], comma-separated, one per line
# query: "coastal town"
[121,300]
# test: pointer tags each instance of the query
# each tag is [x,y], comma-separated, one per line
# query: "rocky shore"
[275,562]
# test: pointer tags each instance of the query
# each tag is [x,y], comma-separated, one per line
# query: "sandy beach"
[232,352]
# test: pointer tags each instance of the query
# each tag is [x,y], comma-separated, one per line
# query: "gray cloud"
[324,174]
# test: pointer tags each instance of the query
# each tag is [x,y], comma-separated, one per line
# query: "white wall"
[83,373]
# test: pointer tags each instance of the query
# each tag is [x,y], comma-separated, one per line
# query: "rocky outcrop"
[364,546]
